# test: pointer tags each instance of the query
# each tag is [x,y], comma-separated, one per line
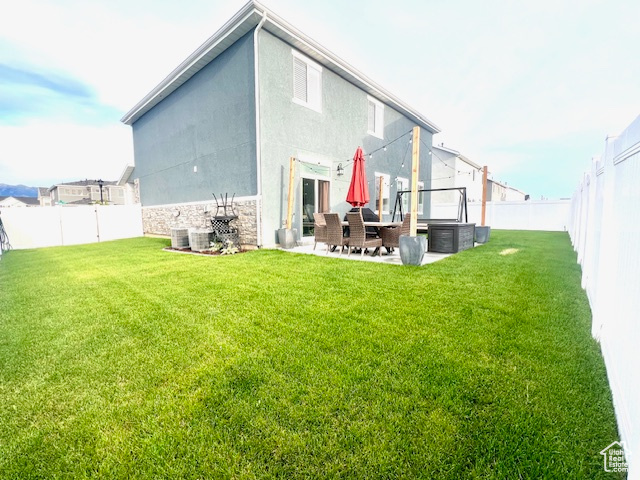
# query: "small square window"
[375,115]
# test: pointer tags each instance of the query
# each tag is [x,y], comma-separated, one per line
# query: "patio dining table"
[378,225]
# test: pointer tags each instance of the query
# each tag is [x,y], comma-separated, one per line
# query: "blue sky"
[530,89]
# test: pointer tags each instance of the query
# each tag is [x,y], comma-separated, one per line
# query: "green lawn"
[120,360]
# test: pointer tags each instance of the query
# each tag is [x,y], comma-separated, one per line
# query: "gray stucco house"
[228,119]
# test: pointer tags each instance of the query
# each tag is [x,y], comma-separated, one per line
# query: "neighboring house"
[451,169]
[86,192]
[131,191]
[6,202]
[515,195]
[496,191]
[44,197]
[500,192]
[230,117]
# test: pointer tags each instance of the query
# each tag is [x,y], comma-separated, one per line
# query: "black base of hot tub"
[450,237]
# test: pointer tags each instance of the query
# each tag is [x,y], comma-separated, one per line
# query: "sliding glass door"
[315,198]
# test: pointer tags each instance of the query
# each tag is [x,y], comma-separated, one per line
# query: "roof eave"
[470,162]
[284,30]
[241,23]
[446,149]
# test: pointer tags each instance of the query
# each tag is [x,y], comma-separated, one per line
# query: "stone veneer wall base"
[159,220]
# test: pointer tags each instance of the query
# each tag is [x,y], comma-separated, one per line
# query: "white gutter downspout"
[256,69]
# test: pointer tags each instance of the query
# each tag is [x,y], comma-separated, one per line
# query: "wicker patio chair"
[391,235]
[319,229]
[358,234]
[334,232]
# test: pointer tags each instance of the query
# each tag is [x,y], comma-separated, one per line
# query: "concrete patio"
[391,259]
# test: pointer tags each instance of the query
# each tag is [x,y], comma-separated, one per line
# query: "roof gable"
[453,153]
[84,183]
[240,24]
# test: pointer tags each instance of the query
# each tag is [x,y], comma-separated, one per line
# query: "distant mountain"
[17,191]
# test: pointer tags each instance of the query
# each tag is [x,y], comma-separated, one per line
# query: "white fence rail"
[606,235]
[550,215]
[54,226]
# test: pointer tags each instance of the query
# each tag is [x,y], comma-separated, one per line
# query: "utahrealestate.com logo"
[614,459]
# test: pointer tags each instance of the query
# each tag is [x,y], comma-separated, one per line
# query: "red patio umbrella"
[358,194]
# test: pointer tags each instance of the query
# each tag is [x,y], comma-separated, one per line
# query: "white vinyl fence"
[549,215]
[36,227]
[606,235]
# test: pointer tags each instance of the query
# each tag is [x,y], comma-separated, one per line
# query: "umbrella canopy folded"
[358,194]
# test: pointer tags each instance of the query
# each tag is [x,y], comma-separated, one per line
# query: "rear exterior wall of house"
[322,136]
[201,139]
